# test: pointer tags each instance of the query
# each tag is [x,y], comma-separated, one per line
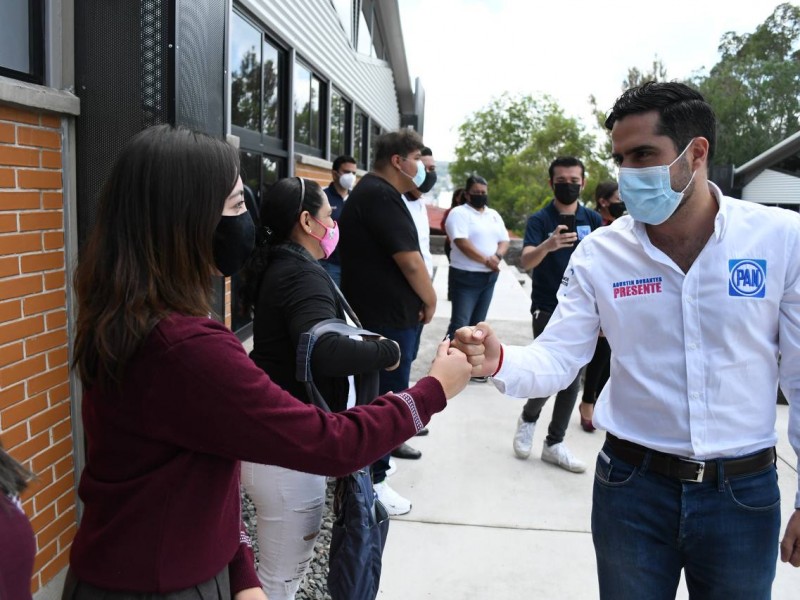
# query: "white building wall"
[772,187]
[312,28]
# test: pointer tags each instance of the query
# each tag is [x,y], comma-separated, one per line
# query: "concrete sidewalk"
[486,525]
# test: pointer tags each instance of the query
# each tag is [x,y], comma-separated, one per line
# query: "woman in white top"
[480,240]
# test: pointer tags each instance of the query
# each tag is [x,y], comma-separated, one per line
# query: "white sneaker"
[559,454]
[523,438]
[395,504]
[392,467]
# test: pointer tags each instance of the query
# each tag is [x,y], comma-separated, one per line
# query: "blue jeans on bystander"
[471,293]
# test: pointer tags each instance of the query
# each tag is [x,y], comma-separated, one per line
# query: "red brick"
[19,115]
[19,330]
[52,455]
[7,135]
[45,554]
[8,223]
[25,451]
[55,566]
[12,396]
[20,286]
[43,302]
[23,410]
[22,370]
[58,433]
[15,436]
[51,159]
[58,394]
[57,357]
[14,156]
[10,310]
[55,528]
[20,243]
[63,466]
[47,419]
[20,200]
[49,219]
[47,380]
[7,178]
[65,539]
[52,200]
[41,138]
[38,179]
[50,120]
[56,319]
[35,345]
[10,354]
[43,516]
[9,266]
[66,502]
[53,492]
[54,280]
[47,261]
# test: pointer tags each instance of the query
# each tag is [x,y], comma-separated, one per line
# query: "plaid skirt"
[216,588]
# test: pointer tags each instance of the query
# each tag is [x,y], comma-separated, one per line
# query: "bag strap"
[305,347]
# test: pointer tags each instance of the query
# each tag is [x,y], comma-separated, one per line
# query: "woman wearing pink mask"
[290,292]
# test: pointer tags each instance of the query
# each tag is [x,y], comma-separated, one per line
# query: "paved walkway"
[486,525]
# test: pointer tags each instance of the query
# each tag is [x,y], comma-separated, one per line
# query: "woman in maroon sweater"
[17,544]
[171,400]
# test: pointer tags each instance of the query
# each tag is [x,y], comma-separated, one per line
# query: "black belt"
[687,469]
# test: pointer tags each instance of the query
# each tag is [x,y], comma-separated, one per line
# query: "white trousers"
[289,507]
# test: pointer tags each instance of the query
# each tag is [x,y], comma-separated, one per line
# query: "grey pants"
[216,588]
[565,399]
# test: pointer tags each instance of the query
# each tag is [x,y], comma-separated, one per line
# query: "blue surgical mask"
[648,194]
[419,178]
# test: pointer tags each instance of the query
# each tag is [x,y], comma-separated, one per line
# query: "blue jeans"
[394,381]
[647,527]
[471,293]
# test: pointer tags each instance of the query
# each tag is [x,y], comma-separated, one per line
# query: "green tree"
[512,143]
[755,87]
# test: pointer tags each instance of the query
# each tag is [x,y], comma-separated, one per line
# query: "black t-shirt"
[374,225]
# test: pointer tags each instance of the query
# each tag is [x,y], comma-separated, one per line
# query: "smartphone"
[568,220]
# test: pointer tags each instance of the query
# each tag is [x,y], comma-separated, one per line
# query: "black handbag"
[362,523]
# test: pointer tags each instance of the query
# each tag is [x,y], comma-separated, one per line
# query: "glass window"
[245,68]
[272,86]
[22,40]
[374,134]
[344,9]
[340,125]
[364,36]
[308,96]
[359,138]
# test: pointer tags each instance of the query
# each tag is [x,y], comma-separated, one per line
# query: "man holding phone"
[551,236]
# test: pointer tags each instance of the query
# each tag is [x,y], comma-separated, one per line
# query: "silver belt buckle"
[701,468]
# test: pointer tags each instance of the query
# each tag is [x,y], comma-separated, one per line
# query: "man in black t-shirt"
[384,276]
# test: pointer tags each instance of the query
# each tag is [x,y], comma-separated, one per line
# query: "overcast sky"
[469,51]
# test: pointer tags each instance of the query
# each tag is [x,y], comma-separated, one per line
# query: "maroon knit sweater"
[161,484]
[17,548]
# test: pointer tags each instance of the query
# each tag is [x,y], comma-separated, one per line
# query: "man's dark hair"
[340,160]
[683,112]
[427,151]
[566,161]
[401,142]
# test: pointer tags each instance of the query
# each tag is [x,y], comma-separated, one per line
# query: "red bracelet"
[500,362]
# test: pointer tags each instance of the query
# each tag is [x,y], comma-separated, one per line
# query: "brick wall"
[35,423]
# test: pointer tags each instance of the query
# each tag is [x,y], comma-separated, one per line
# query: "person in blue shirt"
[343,178]
[547,248]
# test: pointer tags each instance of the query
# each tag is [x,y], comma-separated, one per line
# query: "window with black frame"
[309,116]
[22,40]
[340,125]
[360,130]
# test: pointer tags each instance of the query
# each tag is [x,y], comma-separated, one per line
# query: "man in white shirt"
[697,294]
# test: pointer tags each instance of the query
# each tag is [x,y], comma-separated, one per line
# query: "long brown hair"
[150,252]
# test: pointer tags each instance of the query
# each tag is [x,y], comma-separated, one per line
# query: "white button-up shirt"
[694,356]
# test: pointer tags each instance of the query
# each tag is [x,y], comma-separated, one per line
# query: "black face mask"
[617,209]
[478,200]
[567,193]
[234,240]
[430,181]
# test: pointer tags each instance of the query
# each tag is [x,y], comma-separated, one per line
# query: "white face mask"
[648,194]
[347,180]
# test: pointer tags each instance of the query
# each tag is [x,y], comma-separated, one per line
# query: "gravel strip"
[313,586]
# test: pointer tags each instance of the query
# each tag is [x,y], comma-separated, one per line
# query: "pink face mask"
[329,240]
